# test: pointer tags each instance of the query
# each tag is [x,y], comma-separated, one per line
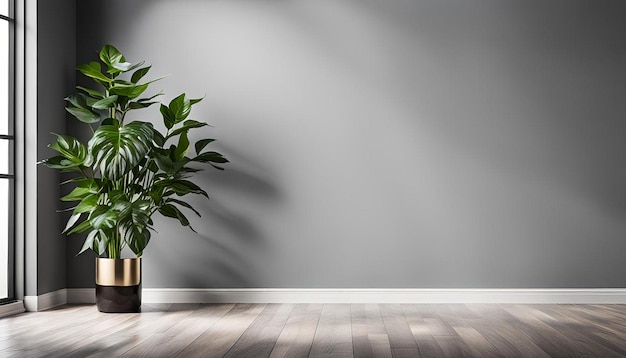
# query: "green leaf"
[183,146]
[91,92]
[168,116]
[187,125]
[93,70]
[81,100]
[150,98]
[110,122]
[173,212]
[213,157]
[138,75]
[120,67]
[79,106]
[136,238]
[106,103]
[103,217]
[185,204]
[153,167]
[117,196]
[71,148]
[195,100]
[79,193]
[181,187]
[180,107]
[135,223]
[61,163]
[159,139]
[86,205]
[91,183]
[109,55]
[114,60]
[130,91]
[164,162]
[89,241]
[132,67]
[140,105]
[73,219]
[116,150]
[83,115]
[202,143]
[82,227]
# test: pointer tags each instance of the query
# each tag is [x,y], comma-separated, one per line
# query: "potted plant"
[126,172]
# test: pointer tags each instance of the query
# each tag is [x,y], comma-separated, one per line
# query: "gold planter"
[118,285]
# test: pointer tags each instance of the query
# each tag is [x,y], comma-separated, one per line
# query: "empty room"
[312,178]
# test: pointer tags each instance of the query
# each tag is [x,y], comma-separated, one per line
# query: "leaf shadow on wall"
[230,233]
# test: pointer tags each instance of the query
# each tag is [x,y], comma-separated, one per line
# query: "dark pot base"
[118,299]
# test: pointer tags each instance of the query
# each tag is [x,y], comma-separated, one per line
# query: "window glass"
[4,156]
[4,237]
[6,180]
[4,76]
[4,7]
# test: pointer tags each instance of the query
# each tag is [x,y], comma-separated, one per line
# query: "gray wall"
[56,53]
[390,143]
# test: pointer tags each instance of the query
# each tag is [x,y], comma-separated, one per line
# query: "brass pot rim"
[118,272]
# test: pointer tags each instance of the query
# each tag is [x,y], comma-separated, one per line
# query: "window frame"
[10,136]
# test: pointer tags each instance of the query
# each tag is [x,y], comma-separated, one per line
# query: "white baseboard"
[280,295]
[11,308]
[45,301]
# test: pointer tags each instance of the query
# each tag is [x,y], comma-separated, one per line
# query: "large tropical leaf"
[71,148]
[87,204]
[117,149]
[103,217]
[97,240]
[61,163]
[134,222]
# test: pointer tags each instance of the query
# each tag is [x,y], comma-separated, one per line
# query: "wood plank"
[297,335]
[186,325]
[398,330]
[558,317]
[426,342]
[547,338]
[477,344]
[222,335]
[495,327]
[333,336]
[140,327]
[453,346]
[259,339]
[369,336]
[380,345]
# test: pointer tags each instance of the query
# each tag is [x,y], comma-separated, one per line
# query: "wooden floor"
[320,330]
